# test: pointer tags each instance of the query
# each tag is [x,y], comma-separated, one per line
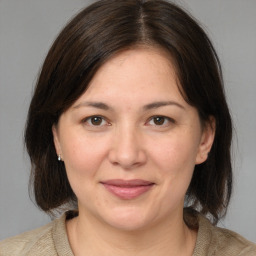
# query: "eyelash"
[166,119]
[88,121]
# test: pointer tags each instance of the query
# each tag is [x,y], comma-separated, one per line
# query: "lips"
[127,189]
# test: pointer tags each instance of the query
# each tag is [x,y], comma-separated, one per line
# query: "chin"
[127,219]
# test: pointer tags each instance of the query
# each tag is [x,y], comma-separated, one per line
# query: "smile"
[127,189]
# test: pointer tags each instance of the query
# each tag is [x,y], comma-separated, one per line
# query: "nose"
[127,149]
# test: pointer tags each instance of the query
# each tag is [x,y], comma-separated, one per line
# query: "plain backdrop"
[27,29]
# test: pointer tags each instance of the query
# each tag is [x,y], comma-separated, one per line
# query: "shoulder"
[220,241]
[23,244]
[231,243]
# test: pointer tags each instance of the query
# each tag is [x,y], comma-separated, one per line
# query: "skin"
[126,141]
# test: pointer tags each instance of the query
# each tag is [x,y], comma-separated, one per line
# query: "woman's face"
[130,142]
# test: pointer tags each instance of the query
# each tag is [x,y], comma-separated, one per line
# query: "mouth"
[127,189]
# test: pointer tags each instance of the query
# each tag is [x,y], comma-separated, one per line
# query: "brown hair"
[90,39]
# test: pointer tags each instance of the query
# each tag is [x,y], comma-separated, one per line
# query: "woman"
[129,131]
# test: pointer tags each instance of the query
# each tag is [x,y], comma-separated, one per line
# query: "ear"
[207,140]
[56,140]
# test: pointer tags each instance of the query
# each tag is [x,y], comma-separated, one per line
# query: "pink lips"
[127,189]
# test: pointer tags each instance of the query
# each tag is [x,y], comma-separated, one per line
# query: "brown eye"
[96,120]
[159,120]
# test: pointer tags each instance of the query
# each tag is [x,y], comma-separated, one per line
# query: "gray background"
[27,29]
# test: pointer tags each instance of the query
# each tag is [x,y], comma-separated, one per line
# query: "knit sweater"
[52,240]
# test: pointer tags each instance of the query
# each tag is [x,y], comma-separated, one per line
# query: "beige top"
[52,240]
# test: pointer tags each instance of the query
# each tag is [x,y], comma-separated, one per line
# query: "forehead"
[135,70]
[151,57]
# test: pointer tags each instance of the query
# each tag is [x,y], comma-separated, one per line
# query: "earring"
[59,157]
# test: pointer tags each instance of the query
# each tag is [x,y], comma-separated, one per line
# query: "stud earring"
[59,157]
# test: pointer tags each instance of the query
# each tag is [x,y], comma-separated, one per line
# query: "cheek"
[175,152]
[175,161]
[83,160]
[82,157]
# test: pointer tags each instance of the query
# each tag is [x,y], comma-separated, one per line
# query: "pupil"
[96,120]
[159,120]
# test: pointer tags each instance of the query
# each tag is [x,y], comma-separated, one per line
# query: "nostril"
[127,159]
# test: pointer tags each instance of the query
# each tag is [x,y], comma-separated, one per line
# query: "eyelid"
[169,119]
[106,122]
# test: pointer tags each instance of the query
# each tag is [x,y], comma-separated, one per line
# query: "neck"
[89,236]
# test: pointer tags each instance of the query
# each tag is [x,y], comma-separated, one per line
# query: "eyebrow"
[99,105]
[159,104]
[154,105]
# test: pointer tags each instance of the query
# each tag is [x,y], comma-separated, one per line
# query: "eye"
[95,121]
[160,121]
